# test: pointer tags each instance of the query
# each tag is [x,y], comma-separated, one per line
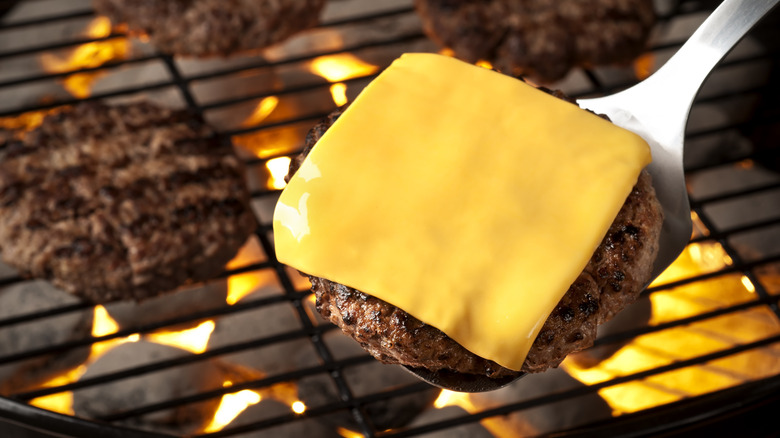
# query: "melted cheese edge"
[467,198]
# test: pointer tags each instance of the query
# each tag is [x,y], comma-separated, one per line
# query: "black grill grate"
[757,117]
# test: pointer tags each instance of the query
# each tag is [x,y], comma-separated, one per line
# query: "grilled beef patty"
[613,278]
[540,39]
[212,27]
[118,202]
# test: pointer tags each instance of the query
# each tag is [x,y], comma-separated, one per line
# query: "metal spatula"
[657,109]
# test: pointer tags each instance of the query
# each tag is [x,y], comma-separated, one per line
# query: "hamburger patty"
[120,202]
[614,277]
[212,27]
[539,38]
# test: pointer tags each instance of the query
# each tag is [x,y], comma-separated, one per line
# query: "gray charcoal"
[159,386]
[5,270]
[30,297]
[268,409]
[549,417]
[259,323]
[185,301]
[372,377]
[434,415]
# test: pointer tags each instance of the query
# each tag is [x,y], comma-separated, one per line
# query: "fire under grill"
[245,354]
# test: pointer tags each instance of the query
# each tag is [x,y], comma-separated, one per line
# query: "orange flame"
[23,122]
[339,93]
[264,144]
[485,64]
[496,425]
[643,66]
[298,407]
[102,325]
[241,285]
[451,398]
[278,169]
[338,68]
[230,407]
[194,340]
[233,404]
[87,55]
[679,343]
[263,109]
[346,433]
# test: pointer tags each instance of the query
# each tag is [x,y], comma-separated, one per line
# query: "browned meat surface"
[613,278]
[121,202]
[212,27]
[541,39]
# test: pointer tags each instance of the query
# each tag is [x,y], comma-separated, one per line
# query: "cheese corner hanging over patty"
[467,198]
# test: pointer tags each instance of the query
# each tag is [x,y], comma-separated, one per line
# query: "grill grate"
[733,131]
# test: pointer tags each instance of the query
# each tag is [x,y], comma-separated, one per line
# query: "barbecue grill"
[699,352]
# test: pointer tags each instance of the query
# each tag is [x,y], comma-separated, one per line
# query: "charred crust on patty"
[613,278]
[539,38]
[121,202]
[205,28]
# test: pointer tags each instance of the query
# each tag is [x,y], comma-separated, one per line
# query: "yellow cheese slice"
[467,198]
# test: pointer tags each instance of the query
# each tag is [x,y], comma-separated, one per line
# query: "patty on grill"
[540,39]
[212,27]
[613,278]
[119,202]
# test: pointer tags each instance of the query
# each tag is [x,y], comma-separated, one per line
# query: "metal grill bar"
[710,275]
[46,20]
[335,368]
[578,392]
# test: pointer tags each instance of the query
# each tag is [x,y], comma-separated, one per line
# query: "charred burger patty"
[613,278]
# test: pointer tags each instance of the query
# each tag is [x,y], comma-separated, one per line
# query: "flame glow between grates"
[710,323]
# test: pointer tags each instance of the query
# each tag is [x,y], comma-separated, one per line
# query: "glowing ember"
[643,66]
[88,55]
[748,284]
[233,404]
[270,142]
[61,402]
[704,257]
[485,64]
[450,398]
[26,121]
[278,168]
[339,93]
[338,68]
[746,164]
[346,433]
[497,427]
[195,339]
[261,112]
[689,341]
[241,285]
[103,325]
[298,407]
[230,407]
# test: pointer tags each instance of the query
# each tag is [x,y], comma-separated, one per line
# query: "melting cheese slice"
[467,198]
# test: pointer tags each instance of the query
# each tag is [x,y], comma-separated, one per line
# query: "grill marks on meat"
[613,278]
[115,202]
[540,38]
[212,27]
